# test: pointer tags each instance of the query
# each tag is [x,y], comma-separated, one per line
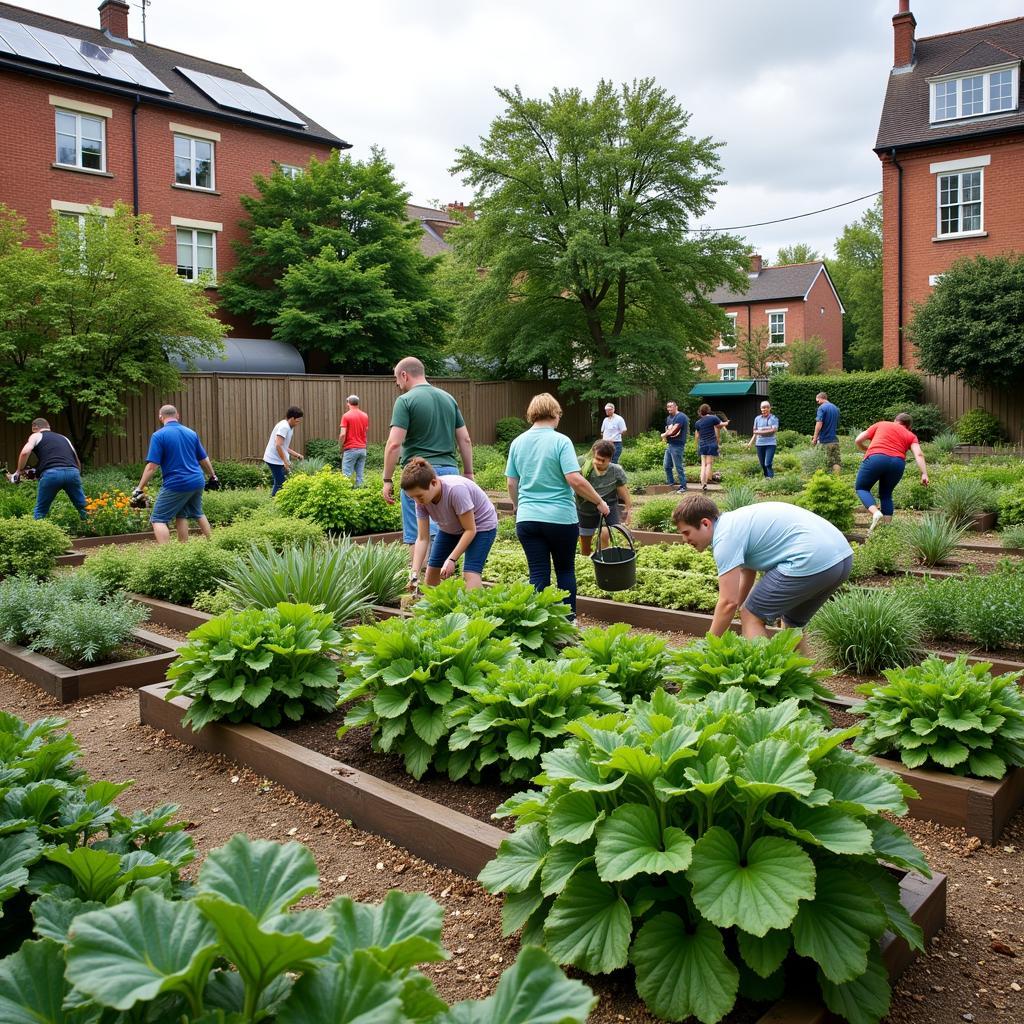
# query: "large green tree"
[583,209]
[332,264]
[90,318]
[857,274]
[972,324]
[800,252]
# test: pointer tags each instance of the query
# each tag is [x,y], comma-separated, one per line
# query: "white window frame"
[195,228]
[78,115]
[292,171]
[192,140]
[778,367]
[959,78]
[776,312]
[959,172]
[722,346]
[723,368]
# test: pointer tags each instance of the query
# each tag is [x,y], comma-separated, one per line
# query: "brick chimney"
[114,18]
[903,25]
[755,264]
[460,210]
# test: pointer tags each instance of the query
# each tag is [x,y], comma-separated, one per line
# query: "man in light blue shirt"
[803,560]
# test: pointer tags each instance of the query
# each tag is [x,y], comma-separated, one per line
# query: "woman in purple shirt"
[466,520]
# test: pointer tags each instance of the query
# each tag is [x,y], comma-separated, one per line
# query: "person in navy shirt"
[826,430]
[677,426]
[709,434]
[178,453]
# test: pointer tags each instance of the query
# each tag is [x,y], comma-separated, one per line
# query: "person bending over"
[885,446]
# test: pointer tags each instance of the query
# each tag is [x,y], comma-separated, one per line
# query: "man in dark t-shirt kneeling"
[58,466]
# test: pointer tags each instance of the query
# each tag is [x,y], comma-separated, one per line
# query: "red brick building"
[93,117]
[780,304]
[951,143]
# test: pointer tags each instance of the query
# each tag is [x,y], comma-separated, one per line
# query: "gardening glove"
[213,484]
[14,477]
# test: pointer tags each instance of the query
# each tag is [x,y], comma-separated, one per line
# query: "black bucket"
[614,567]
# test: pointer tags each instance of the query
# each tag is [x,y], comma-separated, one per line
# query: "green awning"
[725,389]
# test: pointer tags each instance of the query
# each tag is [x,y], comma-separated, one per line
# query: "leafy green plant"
[911,493]
[30,546]
[927,418]
[401,675]
[1011,507]
[112,565]
[634,664]
[867,629]
[236,951]
[948,715]
[831,498]
[712,845]
[259,665]
[538,621]
[507,429]
[738,496]
[511,715]
[944,442]
[383,569]
[177,572]
[782,483]
[655,514]
[222,508]
[788,439]
[213,602]
[333,502]
[1013,537]
[962,498]
[768,668]
[932,539]
[267,526]
[312,464]
[883,553]
[234,475]
[325,448]
[979,427]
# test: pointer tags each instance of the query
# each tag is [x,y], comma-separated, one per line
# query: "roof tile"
[789,281]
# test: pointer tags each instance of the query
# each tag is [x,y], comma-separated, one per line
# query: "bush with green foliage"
[177,572]
[1011,507]
[655,514]
[30,546]
[867,630]
[932,539]
[882,554]
[784,483]
[268,526]
[963,498]
[644,451]
[333,502]
[538,621]
[326,448]
[788,439]
[16,500]
[912,494]
[635,664]
[943,443]
[926,419]
[831,498]
[806,357]
[261,665]
[979,427]
[507,429]
[945,715]
[683,839]
[1013,537]
[222,508]
[862,397]
[235,475]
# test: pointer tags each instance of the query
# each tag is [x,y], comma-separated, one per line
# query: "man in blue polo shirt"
[178,453]
[826,431]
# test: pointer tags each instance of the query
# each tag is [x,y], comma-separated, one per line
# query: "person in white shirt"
[612,429]
[279,453]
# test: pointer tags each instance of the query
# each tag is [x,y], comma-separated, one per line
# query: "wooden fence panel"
[954,398]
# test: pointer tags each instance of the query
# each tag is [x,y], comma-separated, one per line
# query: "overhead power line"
[797,216]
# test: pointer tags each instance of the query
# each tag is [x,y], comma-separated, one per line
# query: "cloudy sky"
[792,87]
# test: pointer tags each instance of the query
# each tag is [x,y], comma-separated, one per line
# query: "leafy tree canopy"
[331,263]
[807,357]
[972,324]
[801,252]
[583,206]
[92,317]
[857,274]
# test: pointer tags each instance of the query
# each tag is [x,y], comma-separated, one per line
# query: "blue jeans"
[674,457]
[410,528]
[475,555]
[766,456]
[618,451]
[51,483]
[886,471]
[353,463]
[546,544]
[277,475]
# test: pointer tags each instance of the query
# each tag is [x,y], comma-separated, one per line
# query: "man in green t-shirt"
[428,423]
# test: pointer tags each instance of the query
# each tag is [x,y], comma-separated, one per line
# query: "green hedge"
[862,397]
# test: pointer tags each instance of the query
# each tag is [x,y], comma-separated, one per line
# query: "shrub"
[30,546]
[769,669]
[788,439]
[333,502]
[738,496]
[806,357]
[234,475]
[16,500]
[177,572]
[645,451]
[213,602]
[934,605]
[928,420]
[259,665]
[867,629]
[537,621]
[1011,507]
[911,493]
[655,514]
[507,429]
[1013,537]
[944,442]
[979,427]
[862,397]
[326,448]
[786,483]
[963,498]
[882,553]
[991,608]
[946,715]
[931,540]
[678,838]
[112,565]
[492,477]
[786,462]
[634,663]
[831,498]
[222,508]
[266,527]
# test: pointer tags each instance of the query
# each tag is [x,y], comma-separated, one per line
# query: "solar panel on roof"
[238,96]
[75,55]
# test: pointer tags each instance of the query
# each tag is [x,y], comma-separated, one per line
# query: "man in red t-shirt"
[885,446]
[352,440]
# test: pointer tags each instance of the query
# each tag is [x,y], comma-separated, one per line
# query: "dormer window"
[989,91]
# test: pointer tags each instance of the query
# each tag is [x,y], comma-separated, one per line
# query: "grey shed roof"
[251,355]
[786,282]
[906,109]
[162,63]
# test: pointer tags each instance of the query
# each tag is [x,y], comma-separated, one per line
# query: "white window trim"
[728,366]
[967,163]
[195,133]
[210,282]
[197,225]
[974,232]
[191,139]
[78,107]
[78,115]
[768,313]
[722,347]
[61,207]
[292,171]
[957,76]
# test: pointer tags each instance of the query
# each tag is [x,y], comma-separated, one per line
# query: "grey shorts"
[795,599]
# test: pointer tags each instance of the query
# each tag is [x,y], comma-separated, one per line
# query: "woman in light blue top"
[543,472]
[766,426]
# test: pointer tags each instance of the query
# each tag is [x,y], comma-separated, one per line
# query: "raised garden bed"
[69,684]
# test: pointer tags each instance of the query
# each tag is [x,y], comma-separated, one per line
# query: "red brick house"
[782,304]
[951,143]
[100,117]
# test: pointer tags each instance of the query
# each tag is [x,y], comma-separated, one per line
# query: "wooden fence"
[234,413]
[955,398]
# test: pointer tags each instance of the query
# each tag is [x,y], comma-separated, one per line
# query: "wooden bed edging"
[68,684]
[446,837]
[981,807]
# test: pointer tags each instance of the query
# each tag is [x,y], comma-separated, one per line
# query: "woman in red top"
[886,446]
